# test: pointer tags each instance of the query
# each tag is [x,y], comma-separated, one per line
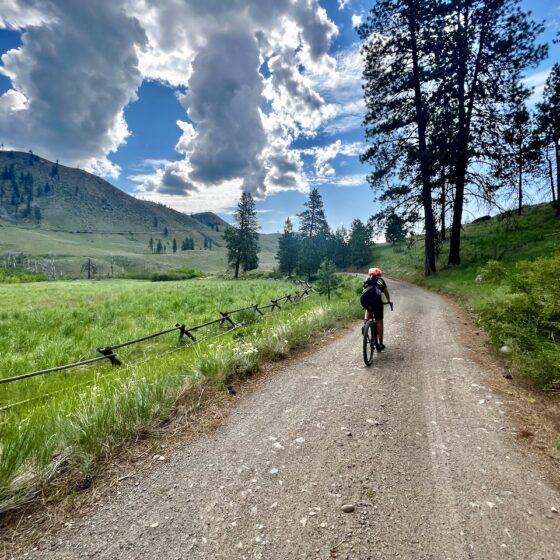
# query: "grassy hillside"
[58,216]
[517,297]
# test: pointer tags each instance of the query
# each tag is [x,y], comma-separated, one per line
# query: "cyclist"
[374,287]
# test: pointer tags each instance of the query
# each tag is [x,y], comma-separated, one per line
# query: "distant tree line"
[304,251]
[299,252]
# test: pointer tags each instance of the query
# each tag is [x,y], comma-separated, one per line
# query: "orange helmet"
[374,272]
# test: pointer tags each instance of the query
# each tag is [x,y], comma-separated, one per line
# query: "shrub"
[18,276]
[528,319]
[493,271]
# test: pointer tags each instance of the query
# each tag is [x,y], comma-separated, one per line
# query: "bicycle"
[371,341]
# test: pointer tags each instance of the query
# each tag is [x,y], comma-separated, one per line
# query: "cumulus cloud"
[254,75]
[356,20]
[240,123]
[342,91]
[18,14]
[71,78]
[325,154]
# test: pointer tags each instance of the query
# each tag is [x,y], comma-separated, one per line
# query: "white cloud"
[239,124]
[352,180]
[342,90]
[219,198]
[234,135]
[24,13]
[356,20]
[536,82]
[73,75]
[325,154]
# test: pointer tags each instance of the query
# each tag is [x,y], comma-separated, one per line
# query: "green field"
[126,252]
[86,412]
[518,300]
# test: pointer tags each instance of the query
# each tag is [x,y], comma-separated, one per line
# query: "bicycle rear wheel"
[369,342]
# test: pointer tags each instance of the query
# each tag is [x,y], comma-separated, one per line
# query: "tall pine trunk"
[557,153]
[455,238]
[551,178]
[425,163]
[520,187]
[465,108]
[442,202]
[237,263]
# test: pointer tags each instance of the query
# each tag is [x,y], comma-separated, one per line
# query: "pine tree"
[314,234]
[487,47]
[174,245]
[151,244]
[327,281]
[340,248]
[90,268]
[360,243]
[159,247]
[287,255]
[437,79]
[242,239]
[549,126]
[395,229]
[397,71]
[522,152]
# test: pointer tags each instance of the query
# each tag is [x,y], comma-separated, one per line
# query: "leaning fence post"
[111,356]
[184,332]
[275,304]
[256,308]
[226,317]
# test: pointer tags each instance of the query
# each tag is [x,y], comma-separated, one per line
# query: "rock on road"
[421,449]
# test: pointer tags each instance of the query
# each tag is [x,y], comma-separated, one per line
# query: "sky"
[188,102]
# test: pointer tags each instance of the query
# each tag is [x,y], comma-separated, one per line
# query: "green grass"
[92,410]
[18,276]
[128,253]
[519,300]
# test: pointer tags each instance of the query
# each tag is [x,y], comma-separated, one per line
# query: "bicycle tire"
[369,342]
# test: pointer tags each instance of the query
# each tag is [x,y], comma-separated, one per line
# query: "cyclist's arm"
[386,292]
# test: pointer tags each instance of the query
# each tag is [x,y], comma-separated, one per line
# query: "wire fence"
[108,352]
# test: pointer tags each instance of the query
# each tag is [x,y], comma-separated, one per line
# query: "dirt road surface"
[418,445]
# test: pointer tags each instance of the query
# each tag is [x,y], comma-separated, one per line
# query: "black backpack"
[371,295]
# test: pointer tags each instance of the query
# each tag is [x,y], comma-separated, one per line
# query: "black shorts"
[377,310]
[375,307]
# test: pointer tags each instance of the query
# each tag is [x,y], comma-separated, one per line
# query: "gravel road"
[423,452]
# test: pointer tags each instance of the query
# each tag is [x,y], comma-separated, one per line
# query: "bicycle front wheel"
[369,342]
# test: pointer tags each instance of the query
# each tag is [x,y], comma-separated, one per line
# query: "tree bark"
[237,263]
[442,202]
[425,164]
[520,187]
[465,116]
[551,177]
[557,150]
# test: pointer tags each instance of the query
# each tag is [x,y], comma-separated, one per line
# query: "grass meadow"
[518,299]
[89,411]
[117,254]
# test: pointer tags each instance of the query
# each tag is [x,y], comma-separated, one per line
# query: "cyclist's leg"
[378,314]
[379,324]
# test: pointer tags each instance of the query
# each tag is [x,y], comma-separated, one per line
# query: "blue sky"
[152,110]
